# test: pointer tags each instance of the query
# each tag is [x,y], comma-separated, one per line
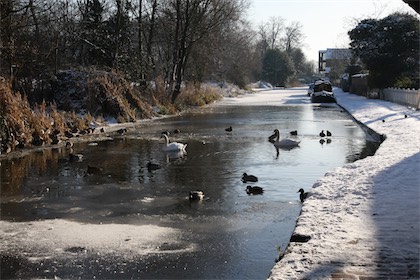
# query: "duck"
[322,134]
[69,145]
[152,166]
[294,132]
[75,157]
[329,133]
[249,178]
[254,190]
[122,131]
[284,143]
[174,146]
[303,195]
[196,195]
[321,141]
[229,129]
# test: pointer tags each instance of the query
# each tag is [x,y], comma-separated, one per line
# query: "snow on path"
[363,217]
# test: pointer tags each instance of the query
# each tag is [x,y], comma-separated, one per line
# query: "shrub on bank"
[194,95]
[80,98]
[21,125]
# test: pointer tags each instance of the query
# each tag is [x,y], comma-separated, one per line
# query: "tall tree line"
[144,39]
[280,47]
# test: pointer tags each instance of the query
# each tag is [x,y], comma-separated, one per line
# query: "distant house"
[332,62]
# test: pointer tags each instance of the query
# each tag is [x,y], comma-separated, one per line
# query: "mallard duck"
[329,133]
[284,143]
[254,190]
[322,134]
[303,195]
[249,178]
[122,131]
[174,146]
[196,195]
[69,145]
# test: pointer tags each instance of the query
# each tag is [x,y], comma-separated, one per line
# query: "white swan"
[174,146]
[284,143]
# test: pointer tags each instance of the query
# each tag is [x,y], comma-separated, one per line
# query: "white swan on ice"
[284,143]
[173,146]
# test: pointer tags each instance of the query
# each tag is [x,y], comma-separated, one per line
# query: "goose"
[284,143]
[249,178]
[272,138]
[229,129]
[294,132]
[196,195]
[322,134]
[254,190]
[329,133]
[303,195]
[174,146]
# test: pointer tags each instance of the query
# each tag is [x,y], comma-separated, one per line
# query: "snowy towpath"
[363,217]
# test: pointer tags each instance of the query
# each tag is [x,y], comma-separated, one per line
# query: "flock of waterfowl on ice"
[176,147]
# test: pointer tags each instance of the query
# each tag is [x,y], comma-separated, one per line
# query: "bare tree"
[194,20]
[293,36]
[146,32]
[270,32]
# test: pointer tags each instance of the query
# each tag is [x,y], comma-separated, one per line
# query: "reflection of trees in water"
[15,171]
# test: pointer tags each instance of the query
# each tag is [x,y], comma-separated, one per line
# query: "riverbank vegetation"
[68,64]
[389,50]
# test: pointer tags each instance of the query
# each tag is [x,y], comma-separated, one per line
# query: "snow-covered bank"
[364,217]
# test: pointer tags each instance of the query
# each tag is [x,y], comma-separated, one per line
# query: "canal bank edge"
[350,238]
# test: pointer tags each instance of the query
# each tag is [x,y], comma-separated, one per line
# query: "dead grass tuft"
[110,94]
[196,95]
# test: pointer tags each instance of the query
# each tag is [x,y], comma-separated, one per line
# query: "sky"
[325,23]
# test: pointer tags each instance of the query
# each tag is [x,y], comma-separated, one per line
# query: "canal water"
[228,235]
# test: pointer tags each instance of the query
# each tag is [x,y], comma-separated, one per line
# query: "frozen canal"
[121,220]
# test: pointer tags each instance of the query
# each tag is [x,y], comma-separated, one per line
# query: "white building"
[331,58]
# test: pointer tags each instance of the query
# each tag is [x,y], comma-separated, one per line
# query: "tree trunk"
[140,46]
